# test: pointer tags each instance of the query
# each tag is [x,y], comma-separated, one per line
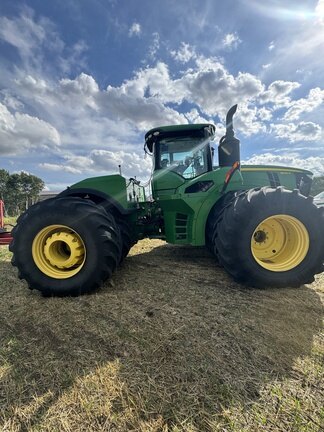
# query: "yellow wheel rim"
[280,243]
[58,252]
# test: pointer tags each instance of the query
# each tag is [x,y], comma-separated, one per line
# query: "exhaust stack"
[229,146]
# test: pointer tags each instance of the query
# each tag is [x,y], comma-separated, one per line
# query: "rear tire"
[270,237]
[65,246]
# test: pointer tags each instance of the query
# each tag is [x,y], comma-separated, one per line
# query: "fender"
[98,197]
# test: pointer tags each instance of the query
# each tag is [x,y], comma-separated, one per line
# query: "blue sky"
[81,81]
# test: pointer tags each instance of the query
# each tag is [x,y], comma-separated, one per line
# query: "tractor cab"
[184,152]
[180,153]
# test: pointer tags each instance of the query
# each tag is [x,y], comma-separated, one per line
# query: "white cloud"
[312,163]
[193,116]
[101,161]
[247,121]
[278,92]
[32,83]
[88,117]
[59,168]
[73,57]
[264,114]
[55,187]
[23,33]
[184,54]
[303,131]
[141,102]
[231,41]
[212,88]
[271,46]
[22,132]
[155,46]
[314,99]
[142,112]
[208,85]
[31,36]
[84,84]
[131,163]
[319,11]
[135,29]
[12,102]
[95,115]
[82,89]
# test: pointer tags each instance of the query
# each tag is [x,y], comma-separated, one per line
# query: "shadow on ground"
[170,340]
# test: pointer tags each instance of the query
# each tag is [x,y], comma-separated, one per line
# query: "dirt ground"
[170,343]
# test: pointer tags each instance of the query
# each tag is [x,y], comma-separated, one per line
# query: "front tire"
[270,237]
[65,246]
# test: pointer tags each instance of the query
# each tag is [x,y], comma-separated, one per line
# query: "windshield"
[186,156]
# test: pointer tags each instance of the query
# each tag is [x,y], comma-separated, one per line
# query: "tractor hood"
[291,178]
[276,168]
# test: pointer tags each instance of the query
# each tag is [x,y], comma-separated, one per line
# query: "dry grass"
[170,344]
[10,221]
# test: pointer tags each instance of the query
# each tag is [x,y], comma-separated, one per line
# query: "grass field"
[171,343]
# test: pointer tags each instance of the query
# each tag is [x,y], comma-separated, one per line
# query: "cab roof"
[177,130]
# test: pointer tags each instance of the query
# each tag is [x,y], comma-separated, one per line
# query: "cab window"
[186,157]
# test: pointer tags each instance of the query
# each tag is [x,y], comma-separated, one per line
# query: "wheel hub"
[280,243]
[58,251]
[260,236]
[63,250]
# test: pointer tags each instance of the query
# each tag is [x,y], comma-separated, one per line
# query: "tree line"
[19,191]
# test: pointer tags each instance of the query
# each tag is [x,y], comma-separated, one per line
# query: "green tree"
[14,195]
[4,176]
[30,186]
[19,191]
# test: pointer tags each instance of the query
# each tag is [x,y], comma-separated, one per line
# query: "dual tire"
[67,246]
[269,237]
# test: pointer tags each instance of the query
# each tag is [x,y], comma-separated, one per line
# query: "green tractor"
[258,221]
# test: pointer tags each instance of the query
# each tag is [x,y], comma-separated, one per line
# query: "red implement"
[1,214]
[5,236]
